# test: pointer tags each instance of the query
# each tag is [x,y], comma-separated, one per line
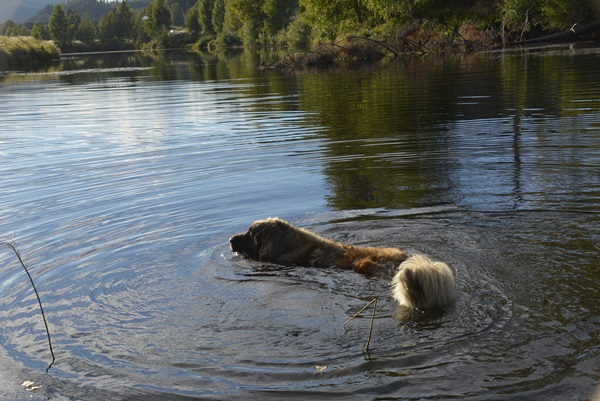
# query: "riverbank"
[16,51]
[417,38]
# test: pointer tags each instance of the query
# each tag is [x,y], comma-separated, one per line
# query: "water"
[124,176]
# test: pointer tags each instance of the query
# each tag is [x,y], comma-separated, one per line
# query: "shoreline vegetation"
[19,51]
[314,33]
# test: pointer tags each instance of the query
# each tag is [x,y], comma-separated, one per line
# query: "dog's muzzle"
[240,243]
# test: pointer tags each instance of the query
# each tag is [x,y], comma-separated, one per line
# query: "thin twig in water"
[366,346]
[368,343]
[359,312]
[14,249]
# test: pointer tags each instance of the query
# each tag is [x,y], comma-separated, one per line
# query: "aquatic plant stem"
[16,251]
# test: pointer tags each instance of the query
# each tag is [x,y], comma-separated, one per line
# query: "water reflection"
[499,131]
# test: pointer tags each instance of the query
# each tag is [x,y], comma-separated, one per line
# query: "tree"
[60,29]
[329,16]
[159,17]
[248,11]
[9,28]
[205,11]
[218,15]
[177,15]
[277,14]
[124,22]
[107,26]
[36,31]
[86,32]
[192,21]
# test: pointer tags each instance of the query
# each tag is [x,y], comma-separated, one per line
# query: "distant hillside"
[20,11]
[93,8]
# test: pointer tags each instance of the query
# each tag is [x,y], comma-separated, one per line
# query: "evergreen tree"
[86,32]
[177,14]
[107,26]
[124,22]
[36,31]
[60,29]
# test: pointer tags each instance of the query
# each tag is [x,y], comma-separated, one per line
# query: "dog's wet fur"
[418,281]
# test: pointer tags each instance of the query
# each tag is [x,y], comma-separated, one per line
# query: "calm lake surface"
[124,175]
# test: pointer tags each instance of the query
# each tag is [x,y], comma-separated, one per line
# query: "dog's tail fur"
[422,283]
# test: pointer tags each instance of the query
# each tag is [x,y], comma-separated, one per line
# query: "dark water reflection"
[124,175]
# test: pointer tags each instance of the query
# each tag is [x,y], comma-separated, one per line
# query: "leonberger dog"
[418,282]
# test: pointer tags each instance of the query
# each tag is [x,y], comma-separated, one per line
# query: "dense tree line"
[294,22]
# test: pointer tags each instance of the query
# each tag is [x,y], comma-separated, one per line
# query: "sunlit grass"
[20,50]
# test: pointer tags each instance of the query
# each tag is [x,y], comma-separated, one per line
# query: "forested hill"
[20,10]
[94,8]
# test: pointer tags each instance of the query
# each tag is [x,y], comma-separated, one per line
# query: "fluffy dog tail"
[422,283]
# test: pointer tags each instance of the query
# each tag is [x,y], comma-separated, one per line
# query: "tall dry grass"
[16,51]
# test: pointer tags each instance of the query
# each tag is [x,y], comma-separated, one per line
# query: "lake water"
[124,175]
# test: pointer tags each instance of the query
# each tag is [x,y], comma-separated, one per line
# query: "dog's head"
[260,241]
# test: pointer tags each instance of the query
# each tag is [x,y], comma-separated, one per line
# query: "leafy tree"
[231,23]
[277,14]
[192,22]
[60,29]
[141,35]
[159,17]
[205,11]
[248,11]
[329,16]
[218,16]
[298,33]
[387,9]
[562,15]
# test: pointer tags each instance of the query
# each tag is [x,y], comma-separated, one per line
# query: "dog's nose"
[234,242]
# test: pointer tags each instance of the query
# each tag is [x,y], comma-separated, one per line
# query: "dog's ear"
[268,236]
[256,234]
[260,231]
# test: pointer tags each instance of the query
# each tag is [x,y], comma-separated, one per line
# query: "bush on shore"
[16,51]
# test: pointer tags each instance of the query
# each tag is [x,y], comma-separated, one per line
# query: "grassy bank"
[16,51]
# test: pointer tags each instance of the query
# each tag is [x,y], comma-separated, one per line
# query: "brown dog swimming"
[418,282]
[275,240]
